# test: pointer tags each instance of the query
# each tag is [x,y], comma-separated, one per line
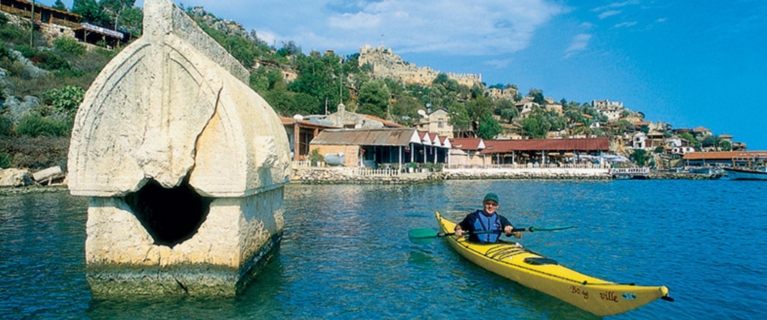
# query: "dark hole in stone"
[171,216]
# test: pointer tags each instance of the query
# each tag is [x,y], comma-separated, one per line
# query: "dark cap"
[491,197]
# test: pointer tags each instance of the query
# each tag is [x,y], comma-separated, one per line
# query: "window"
[441,123]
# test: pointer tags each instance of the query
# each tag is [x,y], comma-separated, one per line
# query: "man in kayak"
[486,220]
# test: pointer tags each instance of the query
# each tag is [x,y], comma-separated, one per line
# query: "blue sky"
[688,63]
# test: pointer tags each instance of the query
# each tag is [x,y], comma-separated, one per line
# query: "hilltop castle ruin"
[385,64]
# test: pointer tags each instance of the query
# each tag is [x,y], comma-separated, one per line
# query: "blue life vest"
[485,223]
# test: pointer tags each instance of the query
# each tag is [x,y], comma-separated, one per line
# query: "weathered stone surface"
[164,106]
[49,173]
[14,178]
[185,163]
[17,109]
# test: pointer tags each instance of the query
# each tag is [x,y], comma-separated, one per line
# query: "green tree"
[537,95]
[536,126]
[59,5]
[489,128]
[91,12]
[132,20]
[459,117]
[320,76]
[405,109]
[115,8]
[374,99]
[507,110]
[639,156]
[726,146]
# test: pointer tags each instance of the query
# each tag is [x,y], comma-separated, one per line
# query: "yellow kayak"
[512,261]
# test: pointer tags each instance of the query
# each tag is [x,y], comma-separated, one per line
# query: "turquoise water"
[345,253]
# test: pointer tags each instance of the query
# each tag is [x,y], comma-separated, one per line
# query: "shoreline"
[341,176]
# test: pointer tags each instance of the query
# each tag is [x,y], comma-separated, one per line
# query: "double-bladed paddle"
[426,235]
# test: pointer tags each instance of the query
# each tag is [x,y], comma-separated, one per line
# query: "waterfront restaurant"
[724,158]
[543,151]
[382,148]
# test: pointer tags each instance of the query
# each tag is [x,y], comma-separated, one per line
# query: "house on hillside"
[351,120]
[53,22]
[701,132]
[437,121]
[639,140]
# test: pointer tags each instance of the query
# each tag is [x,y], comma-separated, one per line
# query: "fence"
[528,166]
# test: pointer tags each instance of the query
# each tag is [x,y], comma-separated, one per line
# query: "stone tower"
[184,163]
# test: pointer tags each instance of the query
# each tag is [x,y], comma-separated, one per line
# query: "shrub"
[69,46]
[35,125]
[49,60]
[65,99]
[5,160]
[6,125]
[25,50]
[316,157]
[3,20]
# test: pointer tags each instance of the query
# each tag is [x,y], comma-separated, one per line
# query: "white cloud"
[499,63]
[661,20]
[608,14]
[615,5]
[443,27]
[625,24]
[579,43]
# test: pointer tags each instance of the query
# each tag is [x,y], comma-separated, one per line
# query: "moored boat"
[512,261]
[746,174]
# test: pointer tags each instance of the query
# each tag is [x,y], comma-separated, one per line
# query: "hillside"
[42,85]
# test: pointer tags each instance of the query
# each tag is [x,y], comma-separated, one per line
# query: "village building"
[56,23]
[507,93]
[611,109]
[352,120]
[555,107]
[385,147]
[639,141]
[437,121]
[701,132]
[542,151]
[300,134]
[724,158]
[467,152]
[525,107]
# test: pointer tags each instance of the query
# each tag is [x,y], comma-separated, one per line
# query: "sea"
[345,253]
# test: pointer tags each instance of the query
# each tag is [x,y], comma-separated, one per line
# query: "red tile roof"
[507,146]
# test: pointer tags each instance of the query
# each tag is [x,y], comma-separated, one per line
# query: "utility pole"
[32,26]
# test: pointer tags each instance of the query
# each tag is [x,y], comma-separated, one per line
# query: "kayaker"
[486,220]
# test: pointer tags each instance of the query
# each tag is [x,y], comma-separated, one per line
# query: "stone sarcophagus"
[184,163]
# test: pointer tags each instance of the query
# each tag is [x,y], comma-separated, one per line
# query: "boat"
[734,173]
[532,270]
[335,159]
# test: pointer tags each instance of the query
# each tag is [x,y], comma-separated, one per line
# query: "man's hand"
[509,231]
[458,232]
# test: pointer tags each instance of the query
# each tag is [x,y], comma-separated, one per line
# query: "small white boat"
[746,174]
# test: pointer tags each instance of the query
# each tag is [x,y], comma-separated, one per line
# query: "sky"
[687,63]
